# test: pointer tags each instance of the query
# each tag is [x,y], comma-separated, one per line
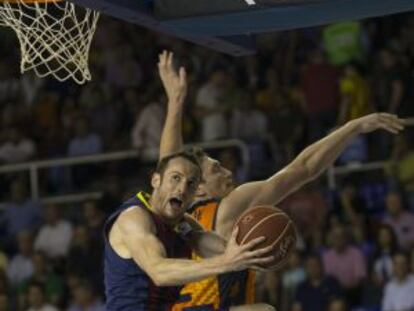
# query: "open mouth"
[176,203]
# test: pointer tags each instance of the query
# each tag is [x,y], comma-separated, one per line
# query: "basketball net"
[54,35]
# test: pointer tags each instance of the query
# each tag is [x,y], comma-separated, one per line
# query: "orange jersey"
[219,292]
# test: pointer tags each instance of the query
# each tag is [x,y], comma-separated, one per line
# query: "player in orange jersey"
[219,203]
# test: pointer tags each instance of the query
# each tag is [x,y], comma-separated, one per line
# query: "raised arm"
[139,236]
[308,165]
[175,85]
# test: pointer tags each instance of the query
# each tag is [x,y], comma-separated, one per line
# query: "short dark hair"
[38,285]
[314,256]
[199,153]
[188,155]
[401,254]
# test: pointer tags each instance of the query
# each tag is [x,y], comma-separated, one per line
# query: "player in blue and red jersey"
[148,243]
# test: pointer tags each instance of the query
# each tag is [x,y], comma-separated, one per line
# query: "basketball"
[275,225]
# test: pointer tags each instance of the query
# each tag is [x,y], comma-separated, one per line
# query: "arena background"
[70,154]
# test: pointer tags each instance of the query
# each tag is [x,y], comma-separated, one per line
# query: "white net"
[55,36]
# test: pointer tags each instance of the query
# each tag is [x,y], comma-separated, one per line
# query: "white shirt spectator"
[147,129]
[30,86]
[248,125]
[90,144]
[213,126]
[383,267]
[54,241]
[403,227]
[399,296]
[17,152]
[45,307]
[20,268]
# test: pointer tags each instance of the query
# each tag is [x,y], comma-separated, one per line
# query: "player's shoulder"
[135,219]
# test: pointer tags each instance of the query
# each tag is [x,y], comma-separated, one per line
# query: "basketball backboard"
[229,26]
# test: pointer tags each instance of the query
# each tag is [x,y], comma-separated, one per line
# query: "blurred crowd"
[357,243]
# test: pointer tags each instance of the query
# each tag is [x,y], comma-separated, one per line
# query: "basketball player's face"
[217,181]
[175,189]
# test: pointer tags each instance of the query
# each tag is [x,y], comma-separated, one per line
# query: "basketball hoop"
[54,35]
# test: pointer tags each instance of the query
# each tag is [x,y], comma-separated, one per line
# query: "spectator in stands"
[398,294]
[53,285]
[4,302]
[247,123]
[308,209]
[46,112]
[112,193]
[402,166]
[268,287]
[372,292]
[146,132]
[291,278]
[85,299]
[390,94]
[30,88]
[9,83]
[389,85]
[353,211]
[94,219]
[356,97]
[4,261]
[338,304]
[83,257]
[21,266]
[55,235]
[287,122]
[73,280]
[346,263]
[122,69]
[4,283]
[315,292]
[100,111]
[271,96]
[36,298]
[21,213]
[131,103]
[400,220]
[210,109]
[386,247]
[320,85]
[17,147]
[84,142]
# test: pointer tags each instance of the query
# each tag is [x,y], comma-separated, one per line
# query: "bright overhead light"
[250,2]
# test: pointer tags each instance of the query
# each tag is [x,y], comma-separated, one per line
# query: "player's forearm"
[320,155]
[209,244]
[174,272]
[171,138]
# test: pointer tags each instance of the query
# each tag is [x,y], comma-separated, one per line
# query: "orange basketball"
[275,225]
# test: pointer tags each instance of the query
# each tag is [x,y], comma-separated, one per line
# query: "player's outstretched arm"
[204,243]
[139,237]
[175,85]
[308,165]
